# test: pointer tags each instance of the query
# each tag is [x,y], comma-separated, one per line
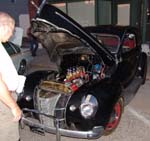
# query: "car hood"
[51,25]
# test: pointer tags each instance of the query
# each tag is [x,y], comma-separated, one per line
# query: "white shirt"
[8,71]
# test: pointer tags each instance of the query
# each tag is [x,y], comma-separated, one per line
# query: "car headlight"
[28,98]
[88,107]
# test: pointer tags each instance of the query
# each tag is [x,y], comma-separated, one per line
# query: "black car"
[99,70]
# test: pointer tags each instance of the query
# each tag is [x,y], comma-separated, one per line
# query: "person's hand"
[17,113]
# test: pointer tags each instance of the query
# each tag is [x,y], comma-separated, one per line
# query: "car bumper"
[95,133]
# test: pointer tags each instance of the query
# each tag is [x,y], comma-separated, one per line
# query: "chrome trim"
[95,133]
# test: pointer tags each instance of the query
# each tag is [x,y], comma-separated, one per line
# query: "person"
[34,45]
[10,83]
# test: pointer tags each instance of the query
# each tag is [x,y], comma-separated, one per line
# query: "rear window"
[111,42]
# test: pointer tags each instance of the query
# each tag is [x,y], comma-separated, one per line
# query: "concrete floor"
[134,125]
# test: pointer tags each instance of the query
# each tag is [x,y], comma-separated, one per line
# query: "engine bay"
[75,70]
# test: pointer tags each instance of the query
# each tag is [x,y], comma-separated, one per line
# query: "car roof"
[112,29]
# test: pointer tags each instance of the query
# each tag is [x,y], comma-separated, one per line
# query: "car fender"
[107,94]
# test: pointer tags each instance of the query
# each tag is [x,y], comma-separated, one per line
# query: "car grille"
[53,103]
[45,102]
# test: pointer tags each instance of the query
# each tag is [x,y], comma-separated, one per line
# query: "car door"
[130,54]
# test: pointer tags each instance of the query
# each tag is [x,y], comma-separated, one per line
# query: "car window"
[16,48]
[111,42]
[9,48]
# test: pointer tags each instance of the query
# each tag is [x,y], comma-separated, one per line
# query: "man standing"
[34,45]
[10,113]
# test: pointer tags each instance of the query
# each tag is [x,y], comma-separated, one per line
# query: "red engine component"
[75,77]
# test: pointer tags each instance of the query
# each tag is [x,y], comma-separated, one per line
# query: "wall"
[123,14]
[14,9]
[83,13]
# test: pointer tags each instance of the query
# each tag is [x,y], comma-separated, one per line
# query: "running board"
[129,92]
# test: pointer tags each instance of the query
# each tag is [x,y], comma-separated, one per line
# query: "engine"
[52,95]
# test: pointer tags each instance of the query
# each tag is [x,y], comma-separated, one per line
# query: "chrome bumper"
[95,133]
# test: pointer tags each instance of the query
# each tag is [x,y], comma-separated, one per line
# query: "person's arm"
[7,99]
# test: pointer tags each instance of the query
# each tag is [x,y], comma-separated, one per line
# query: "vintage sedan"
[20,57]
[99,70]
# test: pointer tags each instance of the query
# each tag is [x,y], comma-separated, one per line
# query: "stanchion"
[58,135]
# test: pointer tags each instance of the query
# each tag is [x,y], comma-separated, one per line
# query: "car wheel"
[144,68]
[115,117]
[22,68]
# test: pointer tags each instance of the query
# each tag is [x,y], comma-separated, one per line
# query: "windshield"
[111,42]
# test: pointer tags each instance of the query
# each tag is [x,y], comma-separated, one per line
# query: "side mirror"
[131,36]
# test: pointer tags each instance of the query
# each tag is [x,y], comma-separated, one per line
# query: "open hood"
[50,21]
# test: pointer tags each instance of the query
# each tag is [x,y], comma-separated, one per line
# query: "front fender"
[107,94]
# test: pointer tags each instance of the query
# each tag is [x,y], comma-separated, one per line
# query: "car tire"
[115,117]
[143,67]
[22,68]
